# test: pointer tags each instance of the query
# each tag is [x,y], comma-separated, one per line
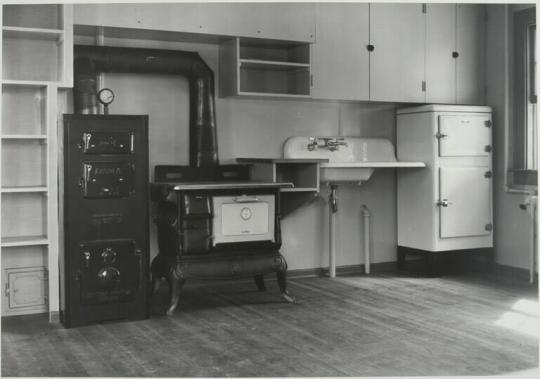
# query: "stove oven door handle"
[246,199]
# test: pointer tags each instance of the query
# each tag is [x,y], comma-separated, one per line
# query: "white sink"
[352,163]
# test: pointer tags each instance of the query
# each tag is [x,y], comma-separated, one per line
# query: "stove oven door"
[244,218]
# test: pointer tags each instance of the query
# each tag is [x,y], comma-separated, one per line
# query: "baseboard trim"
[54,317]
[342,270]
[513,273]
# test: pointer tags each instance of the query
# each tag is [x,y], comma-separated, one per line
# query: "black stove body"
[214,223]
[106,259]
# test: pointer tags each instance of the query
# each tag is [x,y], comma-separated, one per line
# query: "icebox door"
[465,202]
[464,135]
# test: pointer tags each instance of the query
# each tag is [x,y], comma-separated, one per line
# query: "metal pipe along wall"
[89,61]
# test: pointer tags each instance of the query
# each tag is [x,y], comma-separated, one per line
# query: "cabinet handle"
[488,174]
[444,203]
[487,148]
[455,54]
[370,48]
[488,124]
[440,135]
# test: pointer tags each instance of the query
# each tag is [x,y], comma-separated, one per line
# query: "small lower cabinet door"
[26,290]
[465,202]
[462,136]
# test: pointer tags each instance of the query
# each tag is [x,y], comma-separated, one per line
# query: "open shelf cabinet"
[37,33]
[37,60]
[259,67]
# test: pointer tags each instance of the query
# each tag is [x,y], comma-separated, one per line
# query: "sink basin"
[352,163]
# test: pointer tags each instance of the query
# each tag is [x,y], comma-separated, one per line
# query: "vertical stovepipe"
[89,61]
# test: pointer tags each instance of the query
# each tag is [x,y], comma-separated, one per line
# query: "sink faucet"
[334,145]
[329,143]
[312,145]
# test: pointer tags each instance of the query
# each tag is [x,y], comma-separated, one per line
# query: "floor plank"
[377,325]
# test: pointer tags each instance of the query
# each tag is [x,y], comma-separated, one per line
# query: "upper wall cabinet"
[440,53]
[340,60]
[284,21]
[454,53]
[471,58]
[397,33]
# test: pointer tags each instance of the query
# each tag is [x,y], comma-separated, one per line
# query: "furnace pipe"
[89,61]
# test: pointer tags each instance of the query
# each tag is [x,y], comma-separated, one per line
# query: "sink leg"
[332,210]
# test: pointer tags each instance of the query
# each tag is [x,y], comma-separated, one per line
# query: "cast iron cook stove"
[212,221]
[215,223]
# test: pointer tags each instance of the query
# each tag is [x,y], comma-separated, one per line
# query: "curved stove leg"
[175,287]
[282,283]
[259,281]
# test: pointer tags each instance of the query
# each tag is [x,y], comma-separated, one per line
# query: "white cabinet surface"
[448,205]
[466,190]
[470,47]
[440,44]
[397,33]
[340,57]
[284,21]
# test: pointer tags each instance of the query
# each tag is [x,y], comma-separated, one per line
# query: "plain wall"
[512,225]
[250,127]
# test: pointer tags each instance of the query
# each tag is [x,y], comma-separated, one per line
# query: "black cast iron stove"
[216,223]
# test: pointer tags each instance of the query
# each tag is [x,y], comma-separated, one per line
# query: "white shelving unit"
[37,60]
[259,67]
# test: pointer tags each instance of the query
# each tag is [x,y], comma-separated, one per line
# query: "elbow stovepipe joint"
[89,61]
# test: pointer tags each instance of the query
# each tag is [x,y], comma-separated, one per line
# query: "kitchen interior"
[195,189]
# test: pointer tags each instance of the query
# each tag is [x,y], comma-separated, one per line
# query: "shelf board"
[297,189]
[17,32]
[24,241]
[26,189]
[272,94]
[272,65]
[26,83]
[24,136]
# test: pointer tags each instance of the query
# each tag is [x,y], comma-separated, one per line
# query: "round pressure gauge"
[105,96]
[245,213]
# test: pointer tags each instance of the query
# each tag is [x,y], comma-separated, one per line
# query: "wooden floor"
[380,325]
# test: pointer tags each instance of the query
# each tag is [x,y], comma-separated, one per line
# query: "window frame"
[522,144]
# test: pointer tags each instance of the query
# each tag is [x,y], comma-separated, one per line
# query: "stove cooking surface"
[186,186]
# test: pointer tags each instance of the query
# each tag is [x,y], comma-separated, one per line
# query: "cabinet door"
[470,46]
[295,22]
[440,44]
[27,288]
[461,136]
[466,192]
[340,60]
[397,32]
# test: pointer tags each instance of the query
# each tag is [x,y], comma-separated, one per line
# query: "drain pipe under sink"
[366,216]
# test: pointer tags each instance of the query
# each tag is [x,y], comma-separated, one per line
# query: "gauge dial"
[105,96]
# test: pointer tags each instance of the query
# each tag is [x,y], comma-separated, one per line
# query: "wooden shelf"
[24,241]
[24,136]
[314,189]
[27,83]
[25,189]
[272,65]
[17,32]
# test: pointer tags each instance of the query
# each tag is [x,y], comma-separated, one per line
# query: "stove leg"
[155,285]
[175,285]
[282,283]
[259,281]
